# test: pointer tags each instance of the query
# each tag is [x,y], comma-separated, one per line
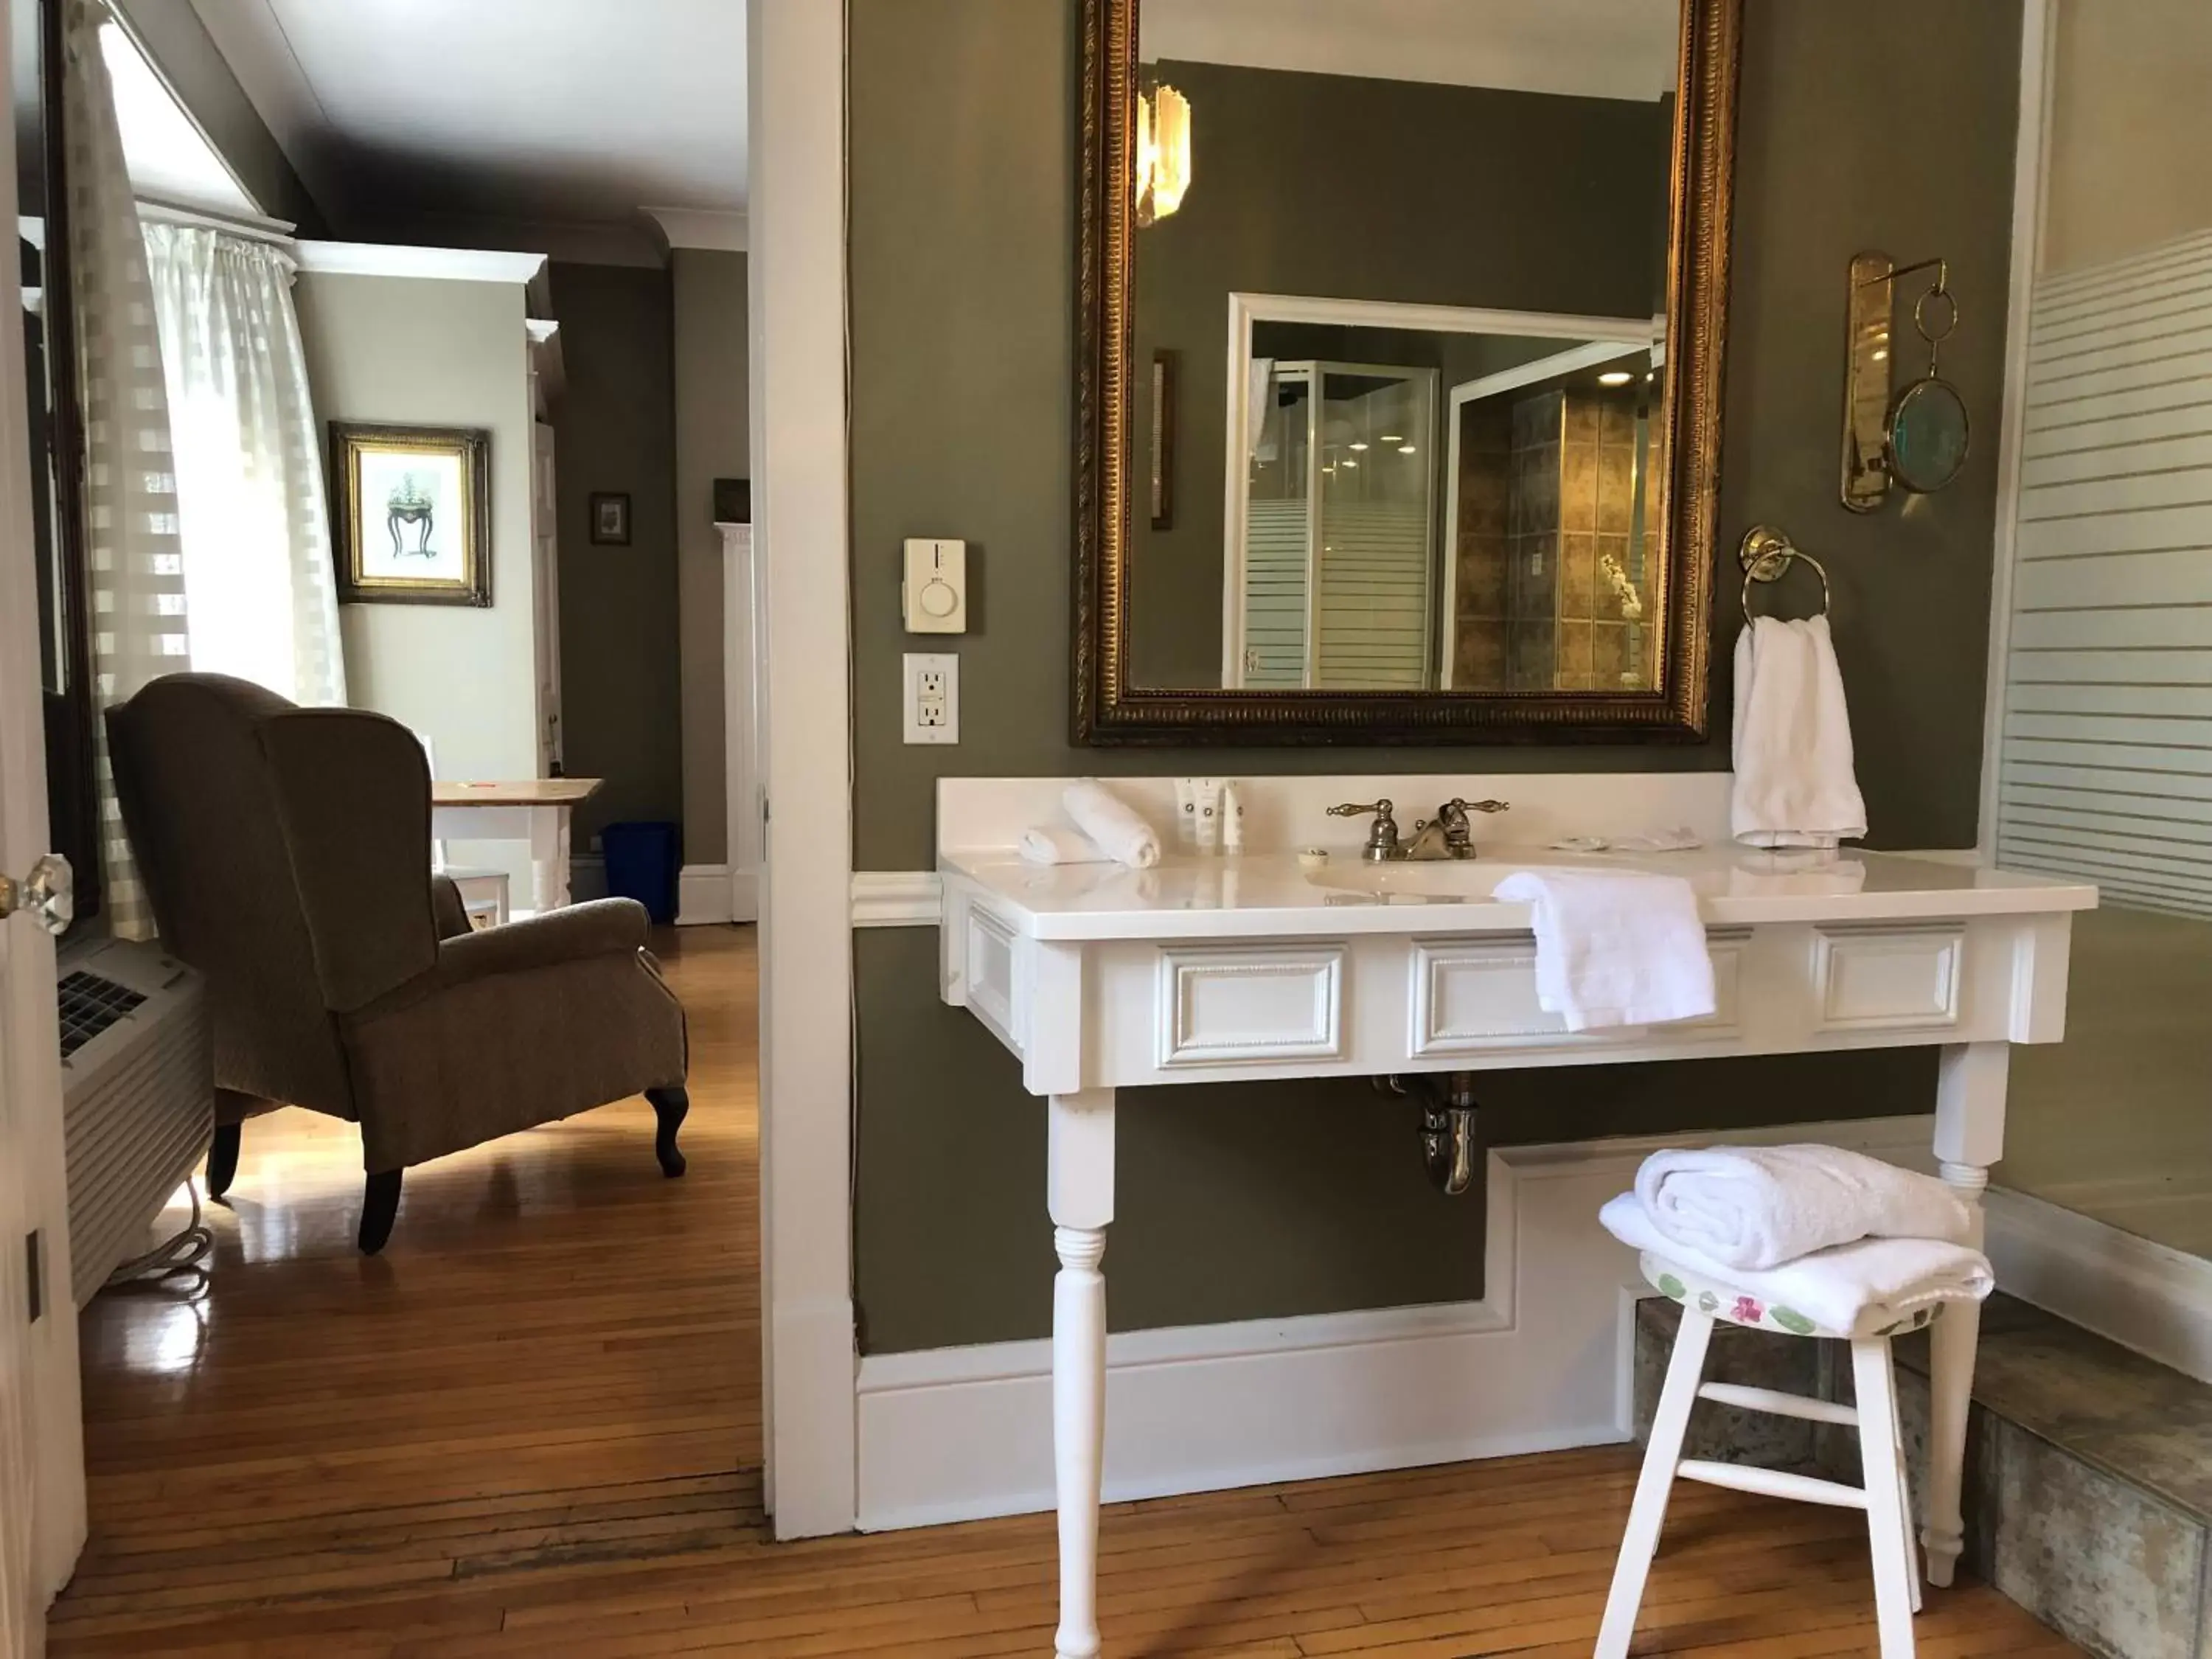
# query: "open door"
[42,1518]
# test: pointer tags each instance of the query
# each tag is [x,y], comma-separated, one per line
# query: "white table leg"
[1079,1183]
[549,857]
[1969,1115]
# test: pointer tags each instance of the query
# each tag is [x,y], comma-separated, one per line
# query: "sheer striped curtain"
[131,552]
[258,579]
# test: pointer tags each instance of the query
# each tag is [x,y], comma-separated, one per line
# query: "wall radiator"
[2106,770]
[137,1096]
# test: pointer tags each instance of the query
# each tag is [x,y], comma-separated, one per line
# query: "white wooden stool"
[1885,1497]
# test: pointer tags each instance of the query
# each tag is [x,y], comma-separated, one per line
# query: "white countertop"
[1269,895]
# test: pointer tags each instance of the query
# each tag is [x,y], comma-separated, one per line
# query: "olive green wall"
[1335,185]
[1288,1199]
[614,428]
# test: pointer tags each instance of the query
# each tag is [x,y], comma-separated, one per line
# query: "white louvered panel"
[136,1134]
[2106,769]
[1372,606]
[1275,593]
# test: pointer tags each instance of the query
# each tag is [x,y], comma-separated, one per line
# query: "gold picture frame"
[411,514]
[1111,710]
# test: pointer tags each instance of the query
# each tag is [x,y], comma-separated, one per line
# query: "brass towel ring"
[1766,555]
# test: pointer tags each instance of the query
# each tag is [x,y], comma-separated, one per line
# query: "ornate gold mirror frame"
[1109,710]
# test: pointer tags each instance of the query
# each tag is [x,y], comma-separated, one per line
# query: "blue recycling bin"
[642,862]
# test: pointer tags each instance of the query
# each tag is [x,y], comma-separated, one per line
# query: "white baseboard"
[703,895]
[1543,1363]
[2143,1295]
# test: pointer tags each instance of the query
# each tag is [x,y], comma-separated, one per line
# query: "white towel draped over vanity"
[1615,947]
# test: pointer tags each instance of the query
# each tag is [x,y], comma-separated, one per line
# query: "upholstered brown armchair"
[286,852]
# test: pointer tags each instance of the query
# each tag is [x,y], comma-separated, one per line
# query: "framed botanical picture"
[609,519]
[412,515]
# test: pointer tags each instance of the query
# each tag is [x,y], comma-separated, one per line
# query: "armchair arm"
[448,907]
[614,927]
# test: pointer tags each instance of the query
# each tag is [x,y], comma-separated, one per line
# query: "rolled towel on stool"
[1119,832]
[1756,1208]
[1056,843]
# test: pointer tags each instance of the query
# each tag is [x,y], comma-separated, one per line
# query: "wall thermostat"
[935,592]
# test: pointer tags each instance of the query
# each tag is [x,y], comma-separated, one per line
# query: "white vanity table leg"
[1969,1113]
[1079,1183]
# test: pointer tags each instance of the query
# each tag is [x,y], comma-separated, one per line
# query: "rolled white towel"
[1861,1289]
[1759,1206]
[1119,832]
[1056,843]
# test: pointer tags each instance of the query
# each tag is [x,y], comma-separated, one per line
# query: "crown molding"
[450,265]
[701,228]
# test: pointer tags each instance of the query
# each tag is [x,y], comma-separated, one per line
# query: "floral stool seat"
[1885,1497]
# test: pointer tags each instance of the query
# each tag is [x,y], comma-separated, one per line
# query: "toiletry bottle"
[1205,793]
[1232,817]
[1187,814]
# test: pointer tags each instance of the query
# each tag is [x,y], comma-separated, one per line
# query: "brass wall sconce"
[1917,438]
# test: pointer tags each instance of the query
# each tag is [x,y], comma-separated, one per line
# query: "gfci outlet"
[933,697]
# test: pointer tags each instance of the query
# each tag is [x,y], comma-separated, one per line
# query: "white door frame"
[1246,309]
[796,70]
[743,651]
[2031,165]
[41,1415]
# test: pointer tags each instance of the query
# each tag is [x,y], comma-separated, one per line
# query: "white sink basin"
[1451,880]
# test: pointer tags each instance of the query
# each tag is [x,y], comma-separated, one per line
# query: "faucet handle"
[1382,836]
[1478,805]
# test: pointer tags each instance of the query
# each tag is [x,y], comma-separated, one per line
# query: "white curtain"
[257,538]
[131,554]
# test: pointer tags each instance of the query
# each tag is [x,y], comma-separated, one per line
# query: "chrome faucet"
[1449,834]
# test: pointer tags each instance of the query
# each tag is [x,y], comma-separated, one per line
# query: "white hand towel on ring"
[1794,786]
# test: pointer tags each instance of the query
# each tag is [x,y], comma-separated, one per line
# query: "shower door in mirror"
[1442,290]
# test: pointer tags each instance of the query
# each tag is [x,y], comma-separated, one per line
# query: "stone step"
[2088,1485]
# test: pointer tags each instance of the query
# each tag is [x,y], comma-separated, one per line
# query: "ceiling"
[502,115]
[1595,48]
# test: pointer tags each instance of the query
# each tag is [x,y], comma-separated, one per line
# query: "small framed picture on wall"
[609,519]
[413,515]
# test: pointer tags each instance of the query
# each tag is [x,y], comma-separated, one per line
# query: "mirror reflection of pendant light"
[1162,159]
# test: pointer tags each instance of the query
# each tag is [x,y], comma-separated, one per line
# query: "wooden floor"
[532,1428]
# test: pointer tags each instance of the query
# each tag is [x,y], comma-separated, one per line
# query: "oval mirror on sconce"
[1927,435]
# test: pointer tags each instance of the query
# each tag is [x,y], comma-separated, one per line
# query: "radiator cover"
[137,1105]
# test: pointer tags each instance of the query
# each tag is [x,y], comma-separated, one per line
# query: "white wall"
[419,351]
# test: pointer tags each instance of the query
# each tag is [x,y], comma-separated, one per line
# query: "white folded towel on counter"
[1107,821]
[1615,947]
[1860,1289]
[1056,843]
[1759,1206]
[1794,786]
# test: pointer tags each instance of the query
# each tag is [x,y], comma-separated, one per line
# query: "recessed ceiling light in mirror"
[1616,377]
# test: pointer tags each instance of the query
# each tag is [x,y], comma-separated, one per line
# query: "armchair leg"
[222,1158]
[379,1204]
[669,1105]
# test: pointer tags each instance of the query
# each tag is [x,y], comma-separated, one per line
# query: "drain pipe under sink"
[1450,1144]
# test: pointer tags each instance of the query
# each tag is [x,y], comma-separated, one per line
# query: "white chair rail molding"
[1309,954]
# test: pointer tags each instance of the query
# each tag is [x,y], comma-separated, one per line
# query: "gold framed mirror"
[1430,304]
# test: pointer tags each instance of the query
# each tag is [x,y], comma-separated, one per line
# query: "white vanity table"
[1218,969]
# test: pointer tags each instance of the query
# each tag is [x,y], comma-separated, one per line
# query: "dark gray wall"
[1338,186]
[614,429]
[1247,1202]
[711,443]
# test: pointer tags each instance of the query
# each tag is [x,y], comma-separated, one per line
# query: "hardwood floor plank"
[531,1429]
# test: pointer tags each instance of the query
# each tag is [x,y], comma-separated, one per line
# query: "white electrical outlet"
[932,697]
